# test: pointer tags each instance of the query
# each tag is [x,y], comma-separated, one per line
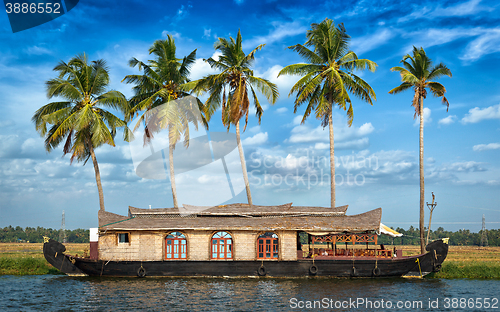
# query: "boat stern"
[438,250]
[53,251]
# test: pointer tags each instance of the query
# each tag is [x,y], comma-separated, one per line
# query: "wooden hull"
[335,267]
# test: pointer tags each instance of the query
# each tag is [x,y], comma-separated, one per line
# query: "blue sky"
[380,150]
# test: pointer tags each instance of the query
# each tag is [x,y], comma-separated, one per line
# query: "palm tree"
[81,121]
[230,89]
[328,78]
[162,93]
[417,73]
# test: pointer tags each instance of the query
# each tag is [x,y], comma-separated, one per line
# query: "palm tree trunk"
[332,161]
[243,163]
[172,174]
[421,163]
[97,176]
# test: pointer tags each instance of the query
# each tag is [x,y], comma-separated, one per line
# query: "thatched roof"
[241,210]
[259,219]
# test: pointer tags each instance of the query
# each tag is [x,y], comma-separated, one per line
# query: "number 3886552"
[33,8]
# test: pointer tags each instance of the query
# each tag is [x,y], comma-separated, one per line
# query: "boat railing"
[324,253]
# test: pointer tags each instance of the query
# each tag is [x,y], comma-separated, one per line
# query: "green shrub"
[452,269]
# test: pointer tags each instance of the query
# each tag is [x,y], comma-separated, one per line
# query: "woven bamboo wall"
[198,244]
[288,244]
[146,246]
[244,244]
[150,245]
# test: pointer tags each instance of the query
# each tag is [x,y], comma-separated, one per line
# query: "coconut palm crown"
[161,93]
[231,87]
[81,121]
[328,77]
[417,73]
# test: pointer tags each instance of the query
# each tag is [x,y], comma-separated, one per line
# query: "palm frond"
[439,71]
[38,120]
[402,87]
[300,69]
[267,88]
[308,55]
[114,99]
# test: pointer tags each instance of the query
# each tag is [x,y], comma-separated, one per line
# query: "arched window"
[222,246]
[267,246]
[175,246]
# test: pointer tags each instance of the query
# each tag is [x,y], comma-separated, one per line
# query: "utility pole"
[484,235]
[62,234]
[431,208]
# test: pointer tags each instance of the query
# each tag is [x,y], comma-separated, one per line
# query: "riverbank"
[462,261]
[28,259]
[463,269]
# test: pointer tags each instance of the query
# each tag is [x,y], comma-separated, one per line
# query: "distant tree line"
[458,238]
[12,234]
[411,236]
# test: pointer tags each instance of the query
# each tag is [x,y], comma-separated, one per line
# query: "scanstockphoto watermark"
[383,304]
[309,170]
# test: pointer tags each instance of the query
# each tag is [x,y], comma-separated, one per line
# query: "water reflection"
[48,293]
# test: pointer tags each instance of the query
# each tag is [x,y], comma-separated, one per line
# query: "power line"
[484,235]
[62,233]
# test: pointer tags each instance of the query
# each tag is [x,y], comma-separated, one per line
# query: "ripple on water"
[56,293]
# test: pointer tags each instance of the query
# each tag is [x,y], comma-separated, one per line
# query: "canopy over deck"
[384,229]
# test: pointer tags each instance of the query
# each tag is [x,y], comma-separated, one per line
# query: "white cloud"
[10,145]
[321,146]
[7,123]
[392,165]
[365,129]
[201,68]
[427,117]
[206,179]
[486,147]
[447,120]
[437,36]
[297,120]
[207,33]
[281,110]
[252,109]
[355,144]
[477,114]
[487,43]
[174,34]
[254,129]
[32,146]
[279,32]
[259,138]
[371,41]
[284,82]
[462,9]
[36,50]
[182,12]
[302,133]
[465,166]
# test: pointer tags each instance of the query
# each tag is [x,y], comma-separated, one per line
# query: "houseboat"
[239,240]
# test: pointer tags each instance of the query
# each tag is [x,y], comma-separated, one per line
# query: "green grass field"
[465,262]
[27,258]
